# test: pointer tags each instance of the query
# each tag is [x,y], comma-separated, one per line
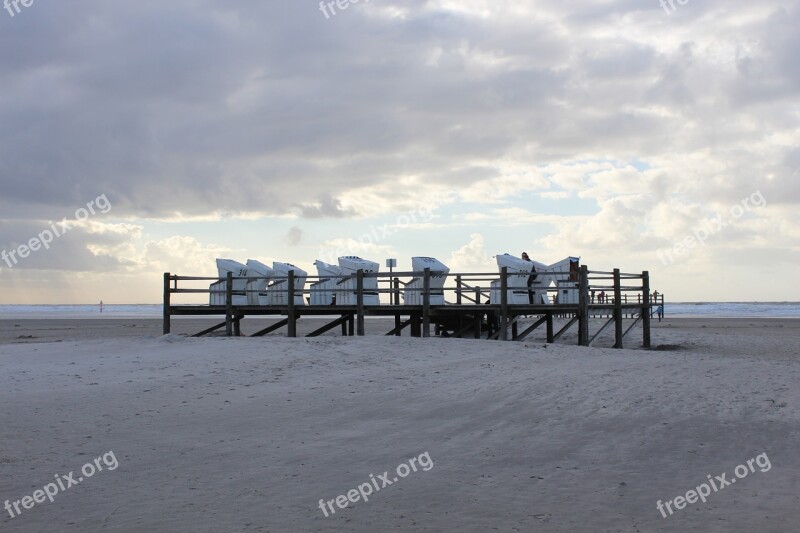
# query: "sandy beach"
[242,434]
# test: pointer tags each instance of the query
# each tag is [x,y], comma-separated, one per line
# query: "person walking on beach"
[660,311]
[101,306]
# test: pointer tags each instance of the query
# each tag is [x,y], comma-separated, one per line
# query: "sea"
[676,309]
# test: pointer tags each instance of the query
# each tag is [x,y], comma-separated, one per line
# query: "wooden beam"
[398,328]
[270,329]
[426,303]
[601,330]
[329,326]
[583,307]
[167,303]
[532,328]
[646,309]
[503,303]
[360,331]
[564,329]
[291,329]
[229,305]
[617,310]
[635,323]
[212,328]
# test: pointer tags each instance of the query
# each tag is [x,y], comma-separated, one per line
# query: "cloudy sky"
[631,134]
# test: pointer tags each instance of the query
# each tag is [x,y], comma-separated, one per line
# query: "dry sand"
[245,434]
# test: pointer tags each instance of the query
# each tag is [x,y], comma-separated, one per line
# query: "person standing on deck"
[531,278]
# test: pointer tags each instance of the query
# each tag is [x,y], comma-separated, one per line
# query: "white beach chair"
[277,293]
[346,292]
[564,276]
[519,271]
[218,289]
[323,292]
[260,275]
[412,294]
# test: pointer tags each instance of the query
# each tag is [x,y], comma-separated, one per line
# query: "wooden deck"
[471,316]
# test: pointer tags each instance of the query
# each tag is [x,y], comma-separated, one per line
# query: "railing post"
[397,320]
[360,303]
[458,289]
[617,309]
[291,325]
[504,304]
[477,295]
[583,307]
[646,309]
[229,305]
[426,303]
[167,304]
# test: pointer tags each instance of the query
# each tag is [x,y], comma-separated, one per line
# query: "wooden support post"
[646,309]
[360,303]
[351,325]
[458,289]
[344,325]
[550,339]
[291,329]
[426,303]
[416,325]
[583,304]
[396,295]
[504,304]
[237,326]
[229,305]
[167,304]
[617,309]
[478,325]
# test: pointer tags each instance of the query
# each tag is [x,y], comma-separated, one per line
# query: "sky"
[143,137]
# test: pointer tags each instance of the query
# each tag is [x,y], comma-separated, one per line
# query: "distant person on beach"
[660,311]
[531,278]
[101,306]
[601,297]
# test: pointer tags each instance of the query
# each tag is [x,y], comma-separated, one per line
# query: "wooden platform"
[468,318]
